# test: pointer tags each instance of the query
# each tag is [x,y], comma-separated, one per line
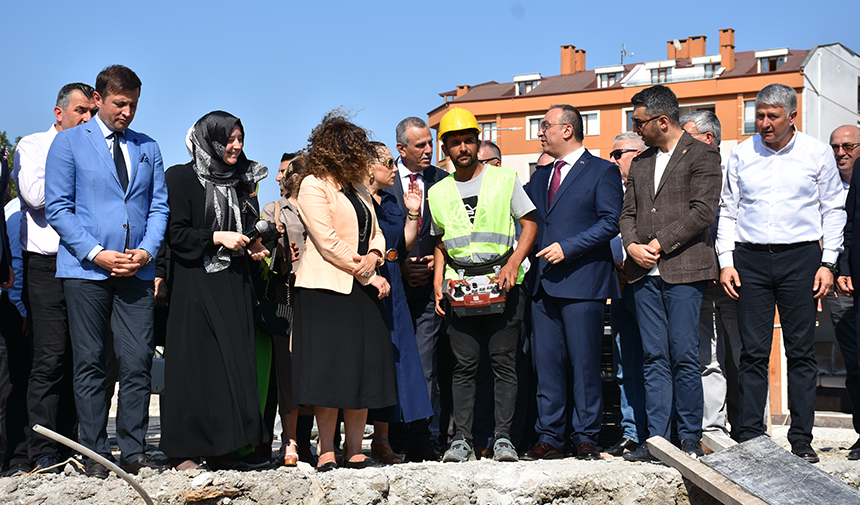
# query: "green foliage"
[12,190]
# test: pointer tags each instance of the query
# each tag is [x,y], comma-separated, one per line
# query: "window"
[533,127]
[526,86]
[488,131]
[628,119]
[771,64]
[659,75]
[607,80]
[591,123]
[749,117]
[711,70]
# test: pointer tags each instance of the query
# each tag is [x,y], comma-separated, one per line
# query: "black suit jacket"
[426,243]
[849,260]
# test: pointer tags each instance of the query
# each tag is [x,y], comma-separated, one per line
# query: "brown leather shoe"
[542,450]
[587,450]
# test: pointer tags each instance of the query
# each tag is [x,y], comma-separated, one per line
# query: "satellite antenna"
[677,44]
[624,53]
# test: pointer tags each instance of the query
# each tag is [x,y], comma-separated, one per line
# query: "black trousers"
[14,372]
[784,279]
[500,335]
[50,393]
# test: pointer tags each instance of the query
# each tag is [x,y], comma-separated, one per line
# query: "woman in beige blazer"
[342,355]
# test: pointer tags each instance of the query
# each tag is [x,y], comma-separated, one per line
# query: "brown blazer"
[678,215]
[332,228]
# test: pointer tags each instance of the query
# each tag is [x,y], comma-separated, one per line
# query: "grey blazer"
[678,214]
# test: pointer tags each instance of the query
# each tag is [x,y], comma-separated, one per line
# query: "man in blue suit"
[578,200]
[106,198]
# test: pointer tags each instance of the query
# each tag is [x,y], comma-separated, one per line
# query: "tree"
[12,190]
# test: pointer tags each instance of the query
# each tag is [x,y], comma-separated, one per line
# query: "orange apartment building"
[826,78]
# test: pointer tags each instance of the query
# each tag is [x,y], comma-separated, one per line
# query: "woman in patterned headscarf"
[210,406]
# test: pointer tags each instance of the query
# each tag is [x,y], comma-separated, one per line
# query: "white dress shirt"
[569,160]
[785,197]
[37,236]
[108,134]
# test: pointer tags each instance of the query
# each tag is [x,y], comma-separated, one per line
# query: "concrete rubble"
[484,482]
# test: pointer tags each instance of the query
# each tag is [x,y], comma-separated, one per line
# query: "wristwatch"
[833,267]
[149,259]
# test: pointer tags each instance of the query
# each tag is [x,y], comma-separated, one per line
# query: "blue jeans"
[627,358]
[668,316]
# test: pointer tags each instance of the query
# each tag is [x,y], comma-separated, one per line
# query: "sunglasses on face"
[389,163]
[616,154]
[847,147]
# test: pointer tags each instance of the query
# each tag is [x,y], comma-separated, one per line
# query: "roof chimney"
[697,45]
[727,48]
[681,51]
[462,90]
[572,60]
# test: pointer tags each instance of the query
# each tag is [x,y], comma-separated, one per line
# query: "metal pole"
[101,459]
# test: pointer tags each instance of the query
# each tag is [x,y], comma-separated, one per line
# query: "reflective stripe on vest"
[492,233]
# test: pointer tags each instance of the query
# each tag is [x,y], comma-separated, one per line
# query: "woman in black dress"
[342,356]
[210,404]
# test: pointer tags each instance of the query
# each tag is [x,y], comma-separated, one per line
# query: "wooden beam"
[703,476]
[716,441]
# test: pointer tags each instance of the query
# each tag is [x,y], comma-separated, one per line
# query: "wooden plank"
[716,441]
[706,478]
[778,477]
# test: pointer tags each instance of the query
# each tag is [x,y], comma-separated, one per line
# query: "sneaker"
[46,462]
[460,452]
[693,448]
[640,454]
[18,470]
[503,450]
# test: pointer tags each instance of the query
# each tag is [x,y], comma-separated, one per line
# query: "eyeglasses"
[489,160]
[544,126]
[848,147]
[639,123]
[616,154]
[389,163]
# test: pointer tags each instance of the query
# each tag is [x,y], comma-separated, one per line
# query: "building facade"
[826,78]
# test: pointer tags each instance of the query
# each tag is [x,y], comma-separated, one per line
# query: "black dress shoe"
[96,469]
[692,448]
[142,461]
[805,451]
[365,463]
[640,454]
[327,467]
[588,451]
[622,445]
[542,450]
[854,451]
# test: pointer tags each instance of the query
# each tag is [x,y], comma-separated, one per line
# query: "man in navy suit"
[578,200]
[415,145]
[106,198]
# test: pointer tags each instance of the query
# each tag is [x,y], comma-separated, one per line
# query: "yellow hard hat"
[456,120]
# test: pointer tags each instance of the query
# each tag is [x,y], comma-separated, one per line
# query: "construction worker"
[473,213]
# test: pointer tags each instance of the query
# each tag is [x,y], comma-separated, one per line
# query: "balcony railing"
[669,79]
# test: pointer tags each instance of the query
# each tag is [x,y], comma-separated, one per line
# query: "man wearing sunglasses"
[489,153]
[673,189]
[578,200]
[627,344]
[845,142]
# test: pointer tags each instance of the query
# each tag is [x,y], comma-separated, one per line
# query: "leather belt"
[774,248]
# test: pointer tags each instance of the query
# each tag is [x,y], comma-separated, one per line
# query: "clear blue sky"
[280,66]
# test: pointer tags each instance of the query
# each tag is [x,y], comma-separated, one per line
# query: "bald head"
[845,142]
[544,160]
